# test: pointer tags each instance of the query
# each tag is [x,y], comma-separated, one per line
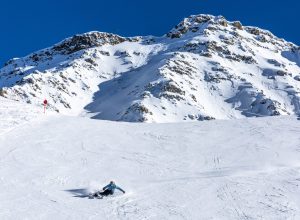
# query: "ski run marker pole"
[45,105]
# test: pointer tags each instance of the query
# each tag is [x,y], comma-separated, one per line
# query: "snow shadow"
[80,193]
[116,95]
[243,99]
[292,56]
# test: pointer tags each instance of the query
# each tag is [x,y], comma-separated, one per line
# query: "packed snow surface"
[231,169]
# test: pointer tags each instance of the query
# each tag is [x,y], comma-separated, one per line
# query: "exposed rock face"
[238,25]
[89,40]
[191,23]
[205,68]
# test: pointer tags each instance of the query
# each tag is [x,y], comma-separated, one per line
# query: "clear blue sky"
[29,25]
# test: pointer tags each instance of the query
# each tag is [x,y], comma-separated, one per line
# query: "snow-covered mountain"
[205,68]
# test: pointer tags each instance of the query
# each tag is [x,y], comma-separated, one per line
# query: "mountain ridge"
[204,68]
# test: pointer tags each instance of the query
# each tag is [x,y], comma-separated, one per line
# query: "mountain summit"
[204,68]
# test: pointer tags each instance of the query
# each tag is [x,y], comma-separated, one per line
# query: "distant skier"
[108,190]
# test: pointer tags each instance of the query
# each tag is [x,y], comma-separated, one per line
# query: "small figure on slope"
[107,190]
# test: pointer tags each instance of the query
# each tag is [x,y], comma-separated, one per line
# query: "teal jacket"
[112,187]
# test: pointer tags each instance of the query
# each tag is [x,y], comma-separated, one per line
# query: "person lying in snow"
[108,190]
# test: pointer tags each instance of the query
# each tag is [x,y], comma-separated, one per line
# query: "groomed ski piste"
[222,169]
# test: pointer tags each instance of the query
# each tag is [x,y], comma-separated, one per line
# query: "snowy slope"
[15,114]
[231,169]
[204,68]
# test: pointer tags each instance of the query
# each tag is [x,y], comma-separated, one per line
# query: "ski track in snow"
[239,169]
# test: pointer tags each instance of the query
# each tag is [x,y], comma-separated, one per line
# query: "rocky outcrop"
[89,40]
[238,25]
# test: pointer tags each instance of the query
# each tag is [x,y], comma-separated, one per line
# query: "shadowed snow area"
[237,169]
